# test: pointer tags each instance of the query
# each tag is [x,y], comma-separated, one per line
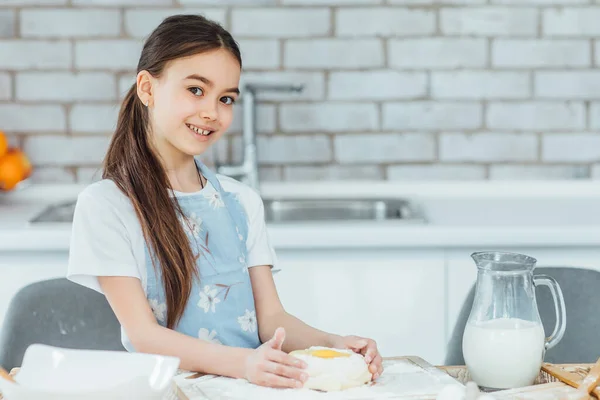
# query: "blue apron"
[221,305]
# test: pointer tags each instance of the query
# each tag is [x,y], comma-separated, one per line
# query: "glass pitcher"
[504,341]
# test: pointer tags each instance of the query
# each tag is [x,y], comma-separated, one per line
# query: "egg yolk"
[323,353]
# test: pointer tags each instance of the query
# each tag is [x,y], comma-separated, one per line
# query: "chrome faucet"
[247,171]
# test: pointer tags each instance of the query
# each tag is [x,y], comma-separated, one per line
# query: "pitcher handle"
[559,307]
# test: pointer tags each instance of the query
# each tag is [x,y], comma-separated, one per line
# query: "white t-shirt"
[107,237]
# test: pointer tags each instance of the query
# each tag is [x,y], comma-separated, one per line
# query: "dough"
[333,369]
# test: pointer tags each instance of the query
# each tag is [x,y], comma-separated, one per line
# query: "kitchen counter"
[459,214]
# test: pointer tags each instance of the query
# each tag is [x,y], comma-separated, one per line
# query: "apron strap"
[210,176]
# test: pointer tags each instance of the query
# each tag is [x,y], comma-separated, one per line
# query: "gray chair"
[61,313]
[580,344]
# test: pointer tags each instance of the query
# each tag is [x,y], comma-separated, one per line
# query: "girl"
[181,254]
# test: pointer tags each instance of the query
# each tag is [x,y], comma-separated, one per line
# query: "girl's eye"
[196,91]
[228,100]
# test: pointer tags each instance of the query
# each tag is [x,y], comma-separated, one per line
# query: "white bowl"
[53,373]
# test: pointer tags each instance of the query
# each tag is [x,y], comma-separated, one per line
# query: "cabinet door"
[395,297]
[462,272]
[19,269]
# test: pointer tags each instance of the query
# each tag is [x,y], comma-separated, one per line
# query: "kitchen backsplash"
[403,89]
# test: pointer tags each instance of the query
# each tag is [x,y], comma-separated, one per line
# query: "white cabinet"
[396,297]
[18,269]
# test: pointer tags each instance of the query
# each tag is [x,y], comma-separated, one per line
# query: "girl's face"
[192,102]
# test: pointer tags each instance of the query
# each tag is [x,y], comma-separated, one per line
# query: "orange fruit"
[14,167]
[24,161]
[3,144]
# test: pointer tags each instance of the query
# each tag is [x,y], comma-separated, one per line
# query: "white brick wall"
[137,3]
[536,172]
[595,116]
[228,2]
[384,22]
[333,53]
[571,147]
[33,2]
[66,151]
[260,53]
[7,23]
[480,85]
[94,118]
[284,23]
[107,54]
[528,53]
[333,172]
[35,54]
[436,2]
[60,23]
[329,2]
[384,147]
[328,117]
[294,149]
[22,118]
[377,85]
[437,53]
[567,84]
[489,21]
[5,86]
[482,147]
[430,115]
[540,2]
[219,152]
[52,174]
[89,174]
[527,116]
[572,22]
[393,89]
[266,119]
[436,172]
[65,86]
[269,174]
[124,84]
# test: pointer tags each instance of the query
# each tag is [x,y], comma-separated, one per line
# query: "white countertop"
[17,208]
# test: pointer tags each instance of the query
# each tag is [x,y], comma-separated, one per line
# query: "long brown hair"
[136,169]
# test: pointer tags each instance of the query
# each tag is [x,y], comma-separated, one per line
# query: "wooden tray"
[550,383]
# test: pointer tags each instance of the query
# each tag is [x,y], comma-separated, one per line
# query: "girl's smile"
[201,133]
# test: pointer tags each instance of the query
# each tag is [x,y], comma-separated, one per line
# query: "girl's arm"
[129,303]
[271,315]
[266,366]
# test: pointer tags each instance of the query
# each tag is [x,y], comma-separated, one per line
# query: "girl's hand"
[268,365]
[364,346]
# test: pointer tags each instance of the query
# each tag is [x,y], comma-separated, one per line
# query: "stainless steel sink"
[290,210]
[306,210]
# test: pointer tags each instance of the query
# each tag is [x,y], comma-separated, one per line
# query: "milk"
[504,353]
